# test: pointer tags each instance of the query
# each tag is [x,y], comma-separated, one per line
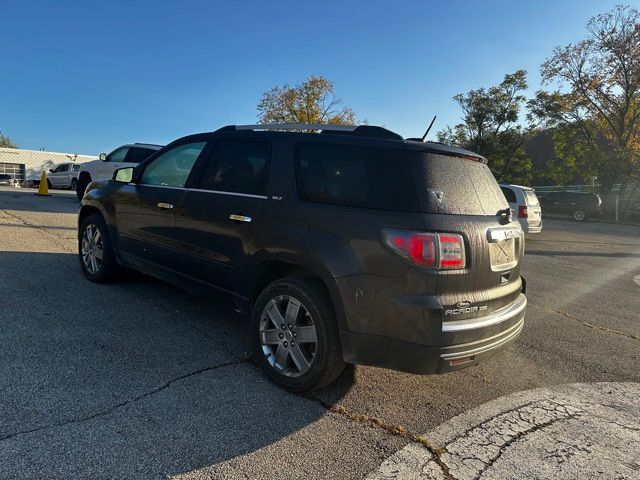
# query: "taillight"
[522,211]
[443,251]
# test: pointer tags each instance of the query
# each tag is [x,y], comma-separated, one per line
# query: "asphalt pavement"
[139,379]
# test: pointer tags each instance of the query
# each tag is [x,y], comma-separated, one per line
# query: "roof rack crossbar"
[297,126]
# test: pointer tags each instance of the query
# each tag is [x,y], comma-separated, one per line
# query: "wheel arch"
[271,268]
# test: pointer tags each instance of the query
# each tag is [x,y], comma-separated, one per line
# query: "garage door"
[16,170]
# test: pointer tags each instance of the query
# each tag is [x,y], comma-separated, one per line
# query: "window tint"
[118,155]
[62,168]
[455,186]
[137,154]
[237,166]
[172,168]
[354,176]
[75,167]
[509,194]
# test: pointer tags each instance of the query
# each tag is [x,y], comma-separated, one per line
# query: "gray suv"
[345,245]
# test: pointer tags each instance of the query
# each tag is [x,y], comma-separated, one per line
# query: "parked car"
[8,181]
[350,245]
[64,175]
[525,204]
[103,169]
[578,205]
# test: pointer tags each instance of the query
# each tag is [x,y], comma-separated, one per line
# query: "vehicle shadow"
[128,380]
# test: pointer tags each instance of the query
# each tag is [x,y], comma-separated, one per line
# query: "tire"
[74,184]
[315,314]
[579,215]
[81,186]
[48,184]
[98,270]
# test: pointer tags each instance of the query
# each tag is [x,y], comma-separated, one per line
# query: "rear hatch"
[458,194]
[534,211]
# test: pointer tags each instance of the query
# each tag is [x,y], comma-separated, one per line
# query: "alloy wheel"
[92,249]
[288,336]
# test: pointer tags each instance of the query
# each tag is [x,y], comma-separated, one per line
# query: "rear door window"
[237,166]
[353,175]
[137,154]
[118,155]
[455,186]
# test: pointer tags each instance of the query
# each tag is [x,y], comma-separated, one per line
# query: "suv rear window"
[353,175]
[531,197]
[509,194]
[455,186]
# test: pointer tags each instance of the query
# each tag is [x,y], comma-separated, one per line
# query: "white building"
[29,164]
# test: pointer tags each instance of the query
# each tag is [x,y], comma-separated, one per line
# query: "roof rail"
[360,130]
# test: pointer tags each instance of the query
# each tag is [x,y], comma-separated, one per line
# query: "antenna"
[430,125]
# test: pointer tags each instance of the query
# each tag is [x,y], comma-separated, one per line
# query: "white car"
[8,181]
[64,175]
[102,169]
[526,206]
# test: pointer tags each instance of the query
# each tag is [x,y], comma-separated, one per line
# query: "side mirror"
[51,170]
[103,156]
[123,175]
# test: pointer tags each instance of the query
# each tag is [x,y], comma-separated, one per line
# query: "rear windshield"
[455,186]
[531,197]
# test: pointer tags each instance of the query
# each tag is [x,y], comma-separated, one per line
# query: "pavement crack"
[113,408]
[518,437]
[395,430]
[13,216]
[587,324]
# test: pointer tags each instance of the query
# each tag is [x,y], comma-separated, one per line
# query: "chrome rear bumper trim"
[512,333]
[492,319]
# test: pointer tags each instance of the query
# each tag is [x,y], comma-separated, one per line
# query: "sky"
[85,77]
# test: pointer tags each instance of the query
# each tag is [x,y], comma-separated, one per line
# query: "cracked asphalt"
[141,380]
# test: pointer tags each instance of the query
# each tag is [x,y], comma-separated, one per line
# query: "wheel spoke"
[291,315]
[98,254]
[299,359]
[270,337]
[274,314]
[306,334]
[94,264]
[281,356]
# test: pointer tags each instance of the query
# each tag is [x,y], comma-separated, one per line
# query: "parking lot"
[139,379]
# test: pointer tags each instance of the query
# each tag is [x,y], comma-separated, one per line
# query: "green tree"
[6,142]
[491,126]
[312,101]
[600,104]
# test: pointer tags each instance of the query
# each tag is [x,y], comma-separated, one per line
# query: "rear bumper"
[484,337]
[531,227]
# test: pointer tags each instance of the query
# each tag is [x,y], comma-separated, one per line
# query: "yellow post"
[43,189]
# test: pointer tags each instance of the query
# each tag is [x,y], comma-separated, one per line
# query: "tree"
[491,126]
[600,76]
[6,142]
[313,101]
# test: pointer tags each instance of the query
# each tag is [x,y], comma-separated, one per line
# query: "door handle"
[168,206]
[239,218]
